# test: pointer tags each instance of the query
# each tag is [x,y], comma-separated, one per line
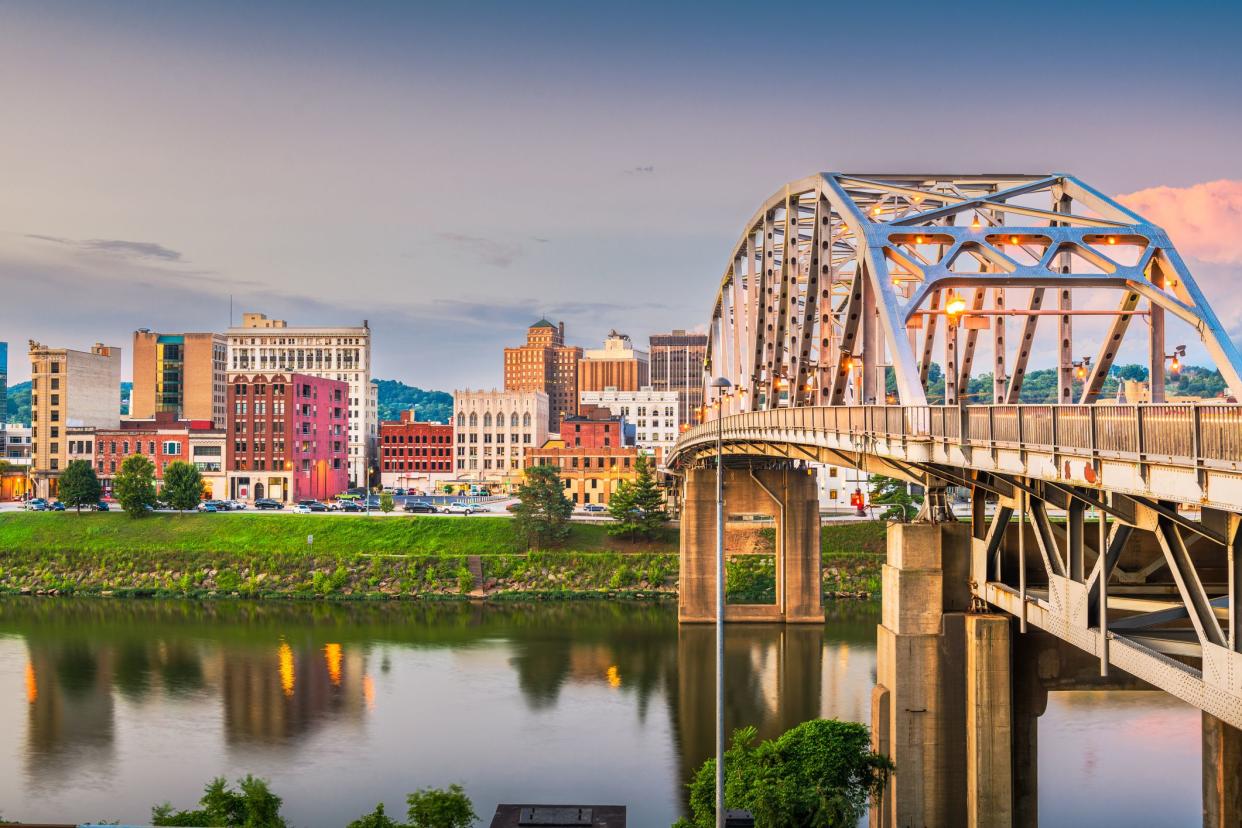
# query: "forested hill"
[429,406]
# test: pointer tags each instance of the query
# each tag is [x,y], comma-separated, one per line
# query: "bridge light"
[1081,371]
[1013,239]
[955,306]
[1112,239]
[1176,365]
[918,239]
[974,224]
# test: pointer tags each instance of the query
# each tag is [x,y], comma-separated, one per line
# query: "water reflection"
[128,703]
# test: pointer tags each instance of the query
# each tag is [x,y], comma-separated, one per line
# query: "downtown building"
[617,365]
[652,416]
[163,439]
[547,365]
[263,345]
[415,454]
[79,390]
[494,430]
[591,455]
[287,437]
[183,375]
[677,360]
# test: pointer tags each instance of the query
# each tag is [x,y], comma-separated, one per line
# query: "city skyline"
[334,166]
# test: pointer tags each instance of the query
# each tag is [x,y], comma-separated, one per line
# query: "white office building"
[262,344]
[653,415]
[493,430]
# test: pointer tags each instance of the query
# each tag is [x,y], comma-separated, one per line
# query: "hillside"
[429,406]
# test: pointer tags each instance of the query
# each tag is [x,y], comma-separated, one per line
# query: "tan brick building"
[546,364]
[179,374]
[677,365]
[68,389]
[616,366]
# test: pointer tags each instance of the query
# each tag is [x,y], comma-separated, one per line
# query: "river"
[111,706]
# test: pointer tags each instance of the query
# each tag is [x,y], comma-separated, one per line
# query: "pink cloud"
[1203,220]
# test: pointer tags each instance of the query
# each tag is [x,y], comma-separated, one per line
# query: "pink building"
[288,437]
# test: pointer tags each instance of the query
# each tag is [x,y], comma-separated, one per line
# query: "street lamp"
[720,384]
[1175,359]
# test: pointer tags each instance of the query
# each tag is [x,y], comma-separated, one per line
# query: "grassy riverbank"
[357,558]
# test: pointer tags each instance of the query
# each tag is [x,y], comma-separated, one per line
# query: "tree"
[895,494]
[637,508]
[386,502]
[78,485]
[441,808]
[542,513]
[134,486]
[621,510]
[183,485]
[375,819]
[820,774]
[254,806]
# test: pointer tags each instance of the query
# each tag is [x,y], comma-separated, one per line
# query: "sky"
[453,171]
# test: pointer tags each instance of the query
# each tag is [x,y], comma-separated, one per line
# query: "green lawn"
[247,534]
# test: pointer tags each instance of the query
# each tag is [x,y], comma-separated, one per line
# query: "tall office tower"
[68,389]
[617,365]
[260,344]
[546,364]
[677,365]
[179,374]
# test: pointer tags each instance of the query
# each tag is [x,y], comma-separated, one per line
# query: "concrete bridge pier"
[788,495]
[942,709]
[1222,774]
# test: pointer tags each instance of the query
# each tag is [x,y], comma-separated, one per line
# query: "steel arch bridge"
[845,296]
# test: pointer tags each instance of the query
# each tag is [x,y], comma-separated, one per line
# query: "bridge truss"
[838,278]
[827,323]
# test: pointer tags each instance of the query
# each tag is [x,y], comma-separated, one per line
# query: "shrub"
[441,808]
[820,774]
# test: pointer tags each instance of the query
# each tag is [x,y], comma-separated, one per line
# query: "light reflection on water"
[112,706]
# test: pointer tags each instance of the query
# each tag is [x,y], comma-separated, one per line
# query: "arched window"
[461,419]
[474,419]
[487,420]
[526,420]
[513,419]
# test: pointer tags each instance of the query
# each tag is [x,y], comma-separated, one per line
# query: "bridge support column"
[918,708]
[1222,774]
[989,722]
[788,495]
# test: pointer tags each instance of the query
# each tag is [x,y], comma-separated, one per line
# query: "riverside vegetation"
[355,558]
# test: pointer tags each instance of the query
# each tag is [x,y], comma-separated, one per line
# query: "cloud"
[644,170]
[491,251]
[1203,220]
[116,247]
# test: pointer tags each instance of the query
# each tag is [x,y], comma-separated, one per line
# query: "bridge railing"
[1198,434]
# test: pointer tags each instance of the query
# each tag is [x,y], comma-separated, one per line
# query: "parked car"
[513,507]
[349,506]
[36,505]
[419,506]
[209,508]
[313,505]
[235,505]
[460,507]
[594,507]
[302,509]
[399,492]
[215,506]
[267,503]
[101,506]
[57,507]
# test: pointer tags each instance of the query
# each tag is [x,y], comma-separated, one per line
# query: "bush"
[820,774]
[441,808]
[254,806]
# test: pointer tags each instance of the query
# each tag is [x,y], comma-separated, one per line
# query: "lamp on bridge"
[720,384]
[1081,368]
[955,307]
[1175,359]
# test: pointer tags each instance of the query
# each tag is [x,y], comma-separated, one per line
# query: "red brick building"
[288,437]
[592,456]
[162,440]
[414,454]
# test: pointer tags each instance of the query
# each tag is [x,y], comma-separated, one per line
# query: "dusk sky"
[453,171]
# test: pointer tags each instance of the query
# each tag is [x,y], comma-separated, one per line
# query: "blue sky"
[452,171]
